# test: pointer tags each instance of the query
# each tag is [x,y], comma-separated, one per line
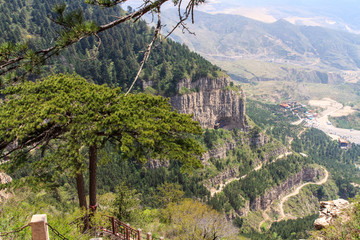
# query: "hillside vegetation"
[119,54]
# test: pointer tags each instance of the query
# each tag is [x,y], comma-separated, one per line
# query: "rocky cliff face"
[222,177]
[305,175]
[329,211]
[259,139]
[218,152]
[211,102]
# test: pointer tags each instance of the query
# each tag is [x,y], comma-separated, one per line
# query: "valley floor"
[333,108]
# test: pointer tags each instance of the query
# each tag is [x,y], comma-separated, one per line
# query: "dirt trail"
[222,185]
[297,190]
[285,198]
[265,218]
[213,191]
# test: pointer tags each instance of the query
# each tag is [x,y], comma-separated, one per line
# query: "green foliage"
[210,138]
[83,114]
[23,203]
[216,137]
[147,181]
[119,54]
[168,193]
[235,88]
[273,119]
[328,153]
[195,220]
[348,122]
[294,229]
[257,182]
[126,203]
[289,229]
[184,90]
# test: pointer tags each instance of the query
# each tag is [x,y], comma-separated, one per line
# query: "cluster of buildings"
[302,112]
[299,109]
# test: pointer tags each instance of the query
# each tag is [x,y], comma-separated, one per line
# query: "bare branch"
[51,133]
[189,11]
[148,50]
[141,12]
[95,50]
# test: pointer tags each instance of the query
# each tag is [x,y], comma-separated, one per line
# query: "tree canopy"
[195,220]
[67,115]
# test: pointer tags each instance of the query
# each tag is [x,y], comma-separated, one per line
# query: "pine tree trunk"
[81,190]
[82,199]
[92,173]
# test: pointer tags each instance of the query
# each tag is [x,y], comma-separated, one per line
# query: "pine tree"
[67,114]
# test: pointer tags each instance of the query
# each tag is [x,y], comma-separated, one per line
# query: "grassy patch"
[349,122]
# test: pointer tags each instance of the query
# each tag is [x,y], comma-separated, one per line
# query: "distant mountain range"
[232,37]
[341,15]
[234,40]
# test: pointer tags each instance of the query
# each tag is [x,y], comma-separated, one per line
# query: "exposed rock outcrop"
[277,152]
[219,152]
[305,175]
[4,178]
[329,211]
[222,177]
[211,102]
[259,139]
[156,163]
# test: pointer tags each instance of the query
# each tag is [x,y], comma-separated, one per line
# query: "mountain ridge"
[232,37]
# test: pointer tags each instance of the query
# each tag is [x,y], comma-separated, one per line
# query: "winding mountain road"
[285,198]
[297,190]
[222,185]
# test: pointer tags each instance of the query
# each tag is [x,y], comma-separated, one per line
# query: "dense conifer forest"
[119,54]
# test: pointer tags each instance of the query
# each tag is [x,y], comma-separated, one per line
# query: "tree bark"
[82,199]
[92,175]
[81,190]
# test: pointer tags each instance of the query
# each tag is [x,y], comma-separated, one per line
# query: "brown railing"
[121,230]
[111,226]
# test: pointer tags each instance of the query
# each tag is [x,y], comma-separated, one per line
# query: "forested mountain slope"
[120,52]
